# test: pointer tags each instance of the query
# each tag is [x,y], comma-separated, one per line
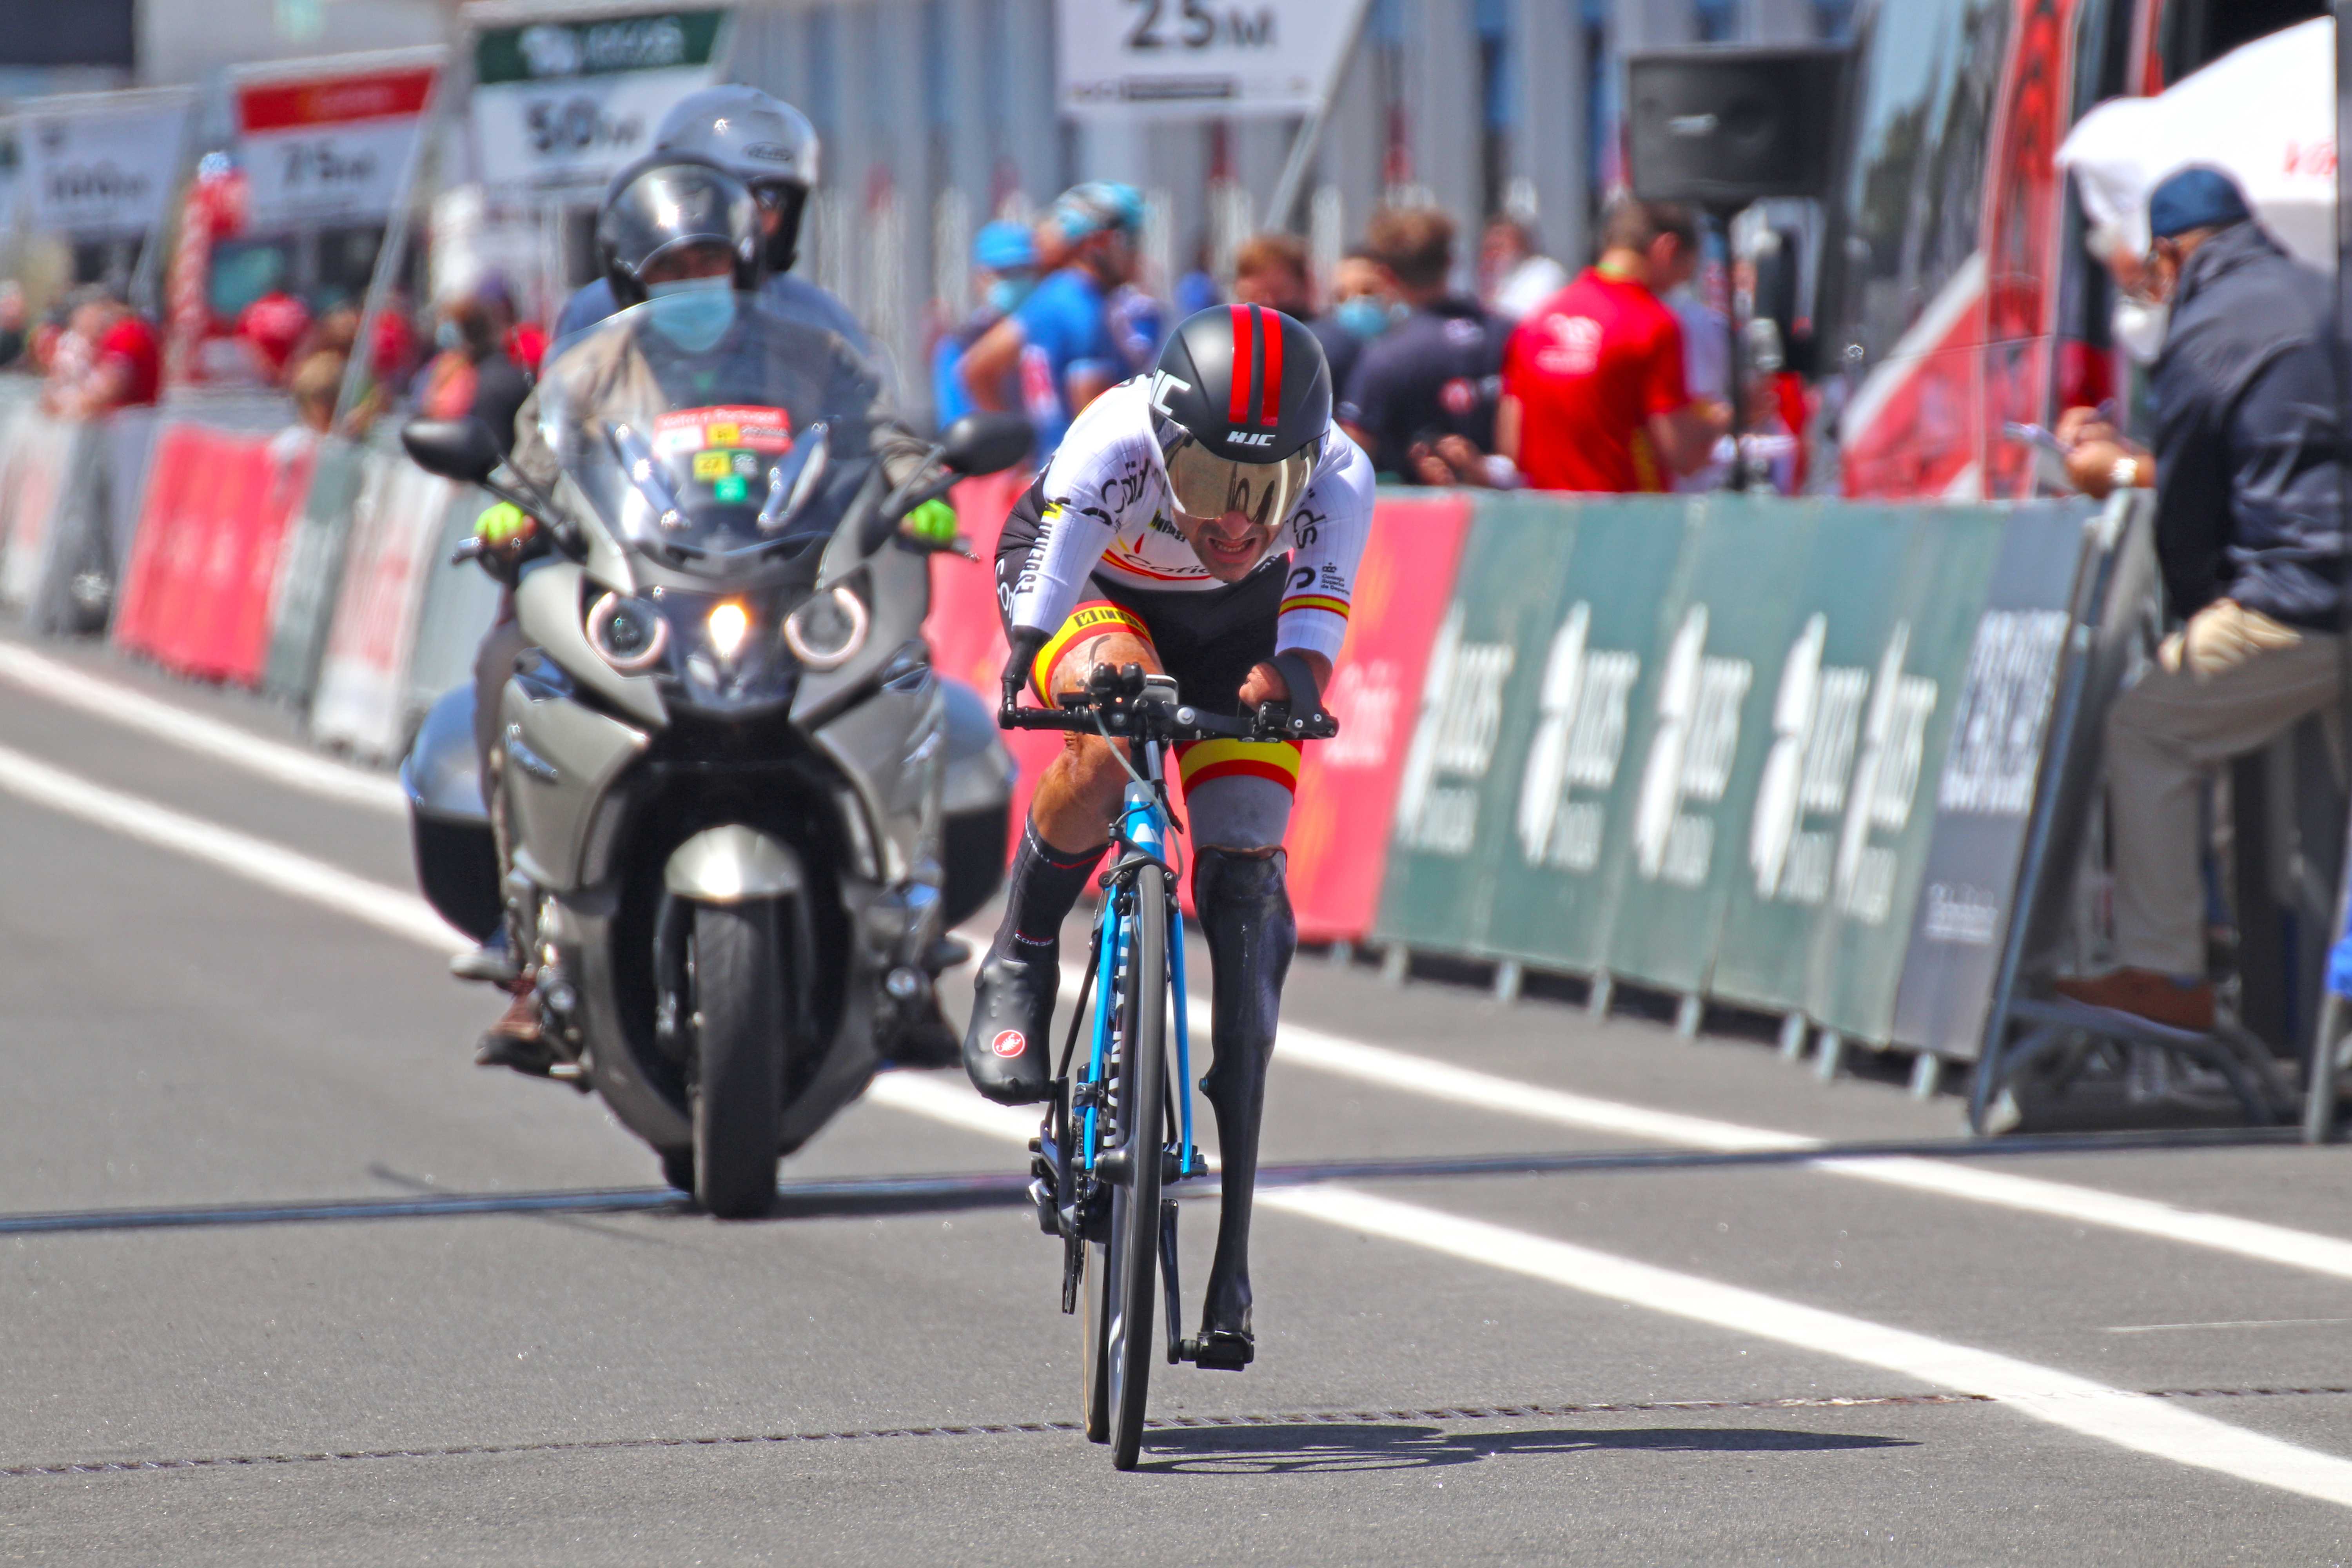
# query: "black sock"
[1043,888]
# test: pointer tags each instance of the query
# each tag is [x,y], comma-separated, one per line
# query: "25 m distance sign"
[1174,59]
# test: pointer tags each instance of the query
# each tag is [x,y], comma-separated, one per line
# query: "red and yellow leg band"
[1199,761]
[1090,620]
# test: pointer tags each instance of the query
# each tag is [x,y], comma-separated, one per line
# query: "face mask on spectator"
[693,312]
[2139,327]
[448,338]
[1364,315]
[1005,295]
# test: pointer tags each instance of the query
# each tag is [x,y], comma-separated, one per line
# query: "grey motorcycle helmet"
[665,201]
[766,143]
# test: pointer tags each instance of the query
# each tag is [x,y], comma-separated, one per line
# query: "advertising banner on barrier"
[362,691]
[1704,733]
[560,102]
[102,164]
[1698,745]
[1348,785]
[329,141]
[310,567]
[36,468]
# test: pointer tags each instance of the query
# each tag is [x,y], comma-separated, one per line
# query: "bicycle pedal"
[1219,1352]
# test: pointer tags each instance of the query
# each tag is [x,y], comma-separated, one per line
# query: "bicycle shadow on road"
[1316,1448]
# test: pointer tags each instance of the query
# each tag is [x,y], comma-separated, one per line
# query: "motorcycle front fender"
[732,865]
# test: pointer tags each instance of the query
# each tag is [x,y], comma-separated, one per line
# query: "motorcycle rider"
[1206,520]
[681,237]
[771,147]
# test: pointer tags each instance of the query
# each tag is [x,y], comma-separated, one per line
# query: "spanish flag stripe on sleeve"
[1315,602]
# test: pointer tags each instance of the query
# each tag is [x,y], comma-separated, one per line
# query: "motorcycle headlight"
[826,631]
[629,634]
[727,626]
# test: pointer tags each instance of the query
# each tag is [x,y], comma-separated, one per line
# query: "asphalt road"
[1740,1353]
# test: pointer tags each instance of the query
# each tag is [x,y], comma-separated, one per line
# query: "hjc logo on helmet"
[1249,438]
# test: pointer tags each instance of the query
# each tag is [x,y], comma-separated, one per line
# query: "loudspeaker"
[1724,127]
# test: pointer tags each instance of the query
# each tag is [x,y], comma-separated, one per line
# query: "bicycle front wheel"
[1131,1256]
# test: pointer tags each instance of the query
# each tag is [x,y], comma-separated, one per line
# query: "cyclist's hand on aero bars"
[1026,642]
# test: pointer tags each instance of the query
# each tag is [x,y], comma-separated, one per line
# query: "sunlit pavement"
[1727,1353]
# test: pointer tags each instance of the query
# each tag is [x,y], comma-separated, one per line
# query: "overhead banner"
[102,164]
[561,103]
[331,141]
[1159,59]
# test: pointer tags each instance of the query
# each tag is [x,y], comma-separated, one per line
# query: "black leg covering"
[1244,916]
[1007,1048]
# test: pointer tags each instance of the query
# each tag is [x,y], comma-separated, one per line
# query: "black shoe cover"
[1008,1049]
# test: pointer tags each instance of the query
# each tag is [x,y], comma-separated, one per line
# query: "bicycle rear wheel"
[1130,1258]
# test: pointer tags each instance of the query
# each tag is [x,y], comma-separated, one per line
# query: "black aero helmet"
[761,140]
[1243,396]
[665,201]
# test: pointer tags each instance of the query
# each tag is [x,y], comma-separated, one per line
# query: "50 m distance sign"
[1173,58]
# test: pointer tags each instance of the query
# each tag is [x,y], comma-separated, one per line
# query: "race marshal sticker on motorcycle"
[713,432]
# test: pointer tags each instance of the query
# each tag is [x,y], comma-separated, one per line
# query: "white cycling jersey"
[1108,511]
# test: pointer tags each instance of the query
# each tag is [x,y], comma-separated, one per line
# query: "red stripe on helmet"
[1270,390]
[1244,362]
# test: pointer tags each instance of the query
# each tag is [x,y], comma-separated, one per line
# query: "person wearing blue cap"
[2250,537]
[1066,343]
[1005,271]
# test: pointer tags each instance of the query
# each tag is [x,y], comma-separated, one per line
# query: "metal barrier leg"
[2319,1072]
[1508,977]
[1831,1057]
[1604,990]
[1926,1074]
[1396,963]
[1793,1032]
[1688,1017]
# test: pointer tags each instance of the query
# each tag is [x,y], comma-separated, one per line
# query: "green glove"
[502,525]
[933,523]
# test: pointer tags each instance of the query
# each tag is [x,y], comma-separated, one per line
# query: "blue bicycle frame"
[1142,832]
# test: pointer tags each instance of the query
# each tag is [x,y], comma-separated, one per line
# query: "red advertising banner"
[197,595]
[1347,790]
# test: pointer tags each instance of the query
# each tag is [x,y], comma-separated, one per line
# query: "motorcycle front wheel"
[735,986]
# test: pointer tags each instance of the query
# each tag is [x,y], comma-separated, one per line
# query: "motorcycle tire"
[735,986]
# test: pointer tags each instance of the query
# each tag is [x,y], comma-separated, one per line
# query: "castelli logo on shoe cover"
[1010,1042]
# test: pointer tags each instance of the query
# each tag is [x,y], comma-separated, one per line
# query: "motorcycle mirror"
[986,443]
[461,449]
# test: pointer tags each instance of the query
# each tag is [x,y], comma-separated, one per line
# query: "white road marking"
[256,860]
[53,681]
[403,914]
[2242,1323]
[2133,1421]
[2078,1405]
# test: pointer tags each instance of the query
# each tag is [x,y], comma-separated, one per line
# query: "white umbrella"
[2264,114]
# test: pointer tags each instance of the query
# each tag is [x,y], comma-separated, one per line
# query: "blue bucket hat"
[2195,198]
[1003,247]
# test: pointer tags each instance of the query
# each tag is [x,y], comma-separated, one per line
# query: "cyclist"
[1204,521]
[771,147]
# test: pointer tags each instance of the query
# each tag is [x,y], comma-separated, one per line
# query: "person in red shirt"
[1593,395]
[272,327]
[126,361]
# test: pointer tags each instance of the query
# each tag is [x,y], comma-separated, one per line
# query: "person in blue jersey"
[1004,257]
[770,146]
[1066,345]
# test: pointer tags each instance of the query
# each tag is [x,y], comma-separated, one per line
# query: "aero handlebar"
[1130,705]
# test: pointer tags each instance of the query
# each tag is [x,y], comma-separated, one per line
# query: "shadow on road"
[1308,1449]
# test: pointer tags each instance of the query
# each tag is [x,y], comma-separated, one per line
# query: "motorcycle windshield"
[717,434]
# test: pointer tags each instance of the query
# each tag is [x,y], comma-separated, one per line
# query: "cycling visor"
[1207,486]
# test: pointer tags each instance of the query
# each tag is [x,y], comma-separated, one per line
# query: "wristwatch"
[2124,475]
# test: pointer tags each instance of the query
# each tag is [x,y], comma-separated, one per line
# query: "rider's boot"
[1244,916]
[1007,1047]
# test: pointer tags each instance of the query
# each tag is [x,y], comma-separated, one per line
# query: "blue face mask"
[1005,295]
[693,312]
[1364,315]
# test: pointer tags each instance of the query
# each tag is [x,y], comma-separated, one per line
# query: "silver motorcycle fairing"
[732,865]
[561,757]
[549,607]
[441,775]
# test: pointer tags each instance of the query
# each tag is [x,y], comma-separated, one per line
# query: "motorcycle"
[739,809]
